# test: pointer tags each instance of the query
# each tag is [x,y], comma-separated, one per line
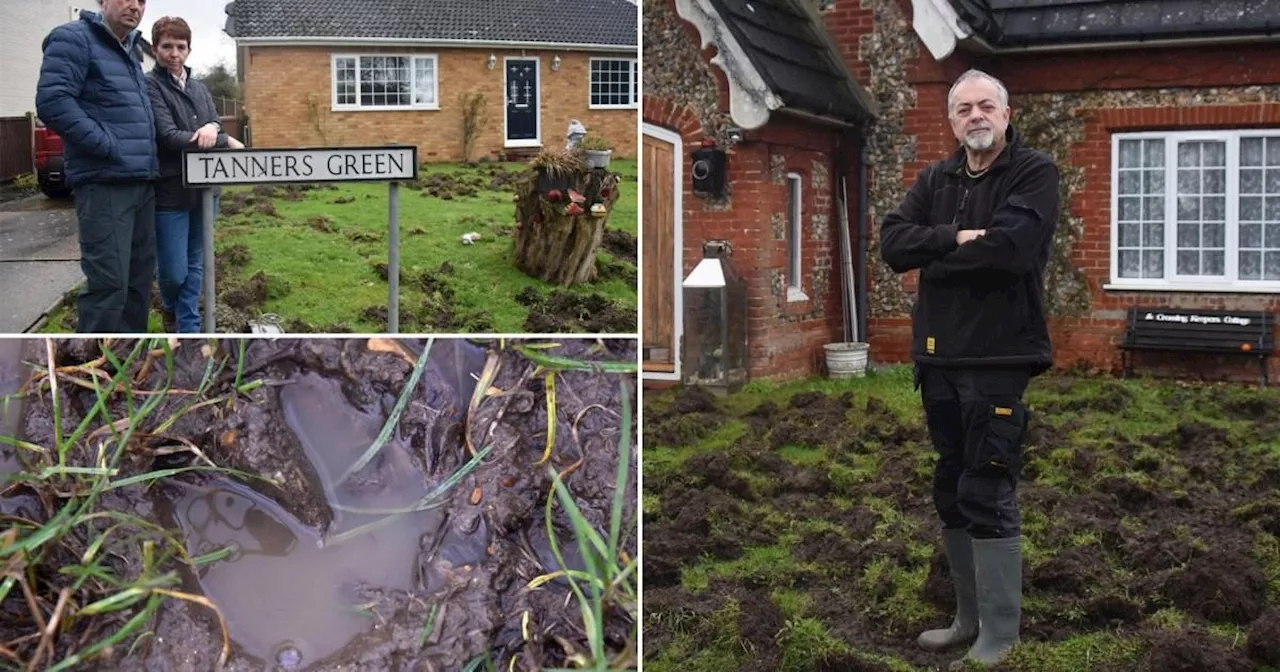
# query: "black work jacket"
[980,304]
[179,114]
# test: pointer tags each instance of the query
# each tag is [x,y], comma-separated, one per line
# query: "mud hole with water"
[305,586]
[795,531]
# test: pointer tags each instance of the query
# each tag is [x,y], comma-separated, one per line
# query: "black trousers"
[977,421]
[117,255]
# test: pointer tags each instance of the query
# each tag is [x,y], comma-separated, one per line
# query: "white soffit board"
[750,99]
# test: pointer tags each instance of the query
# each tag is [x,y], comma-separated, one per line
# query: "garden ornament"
[576,133]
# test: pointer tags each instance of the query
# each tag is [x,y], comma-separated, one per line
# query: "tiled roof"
[595,22]
[789,48]
[1036,22]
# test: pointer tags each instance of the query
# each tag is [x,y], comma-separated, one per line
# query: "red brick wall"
[1092,339]
[784,338]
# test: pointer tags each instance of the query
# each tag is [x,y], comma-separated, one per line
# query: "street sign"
[205,169]
[217,167]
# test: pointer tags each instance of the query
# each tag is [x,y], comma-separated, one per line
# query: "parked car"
[46,149]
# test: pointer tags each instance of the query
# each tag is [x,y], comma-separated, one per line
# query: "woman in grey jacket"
[185,117]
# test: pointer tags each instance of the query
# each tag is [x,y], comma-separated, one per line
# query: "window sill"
[386,108]
[1271,288]
[633,106]
[795,294]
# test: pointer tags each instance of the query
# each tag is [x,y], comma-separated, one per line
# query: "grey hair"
[1001,92]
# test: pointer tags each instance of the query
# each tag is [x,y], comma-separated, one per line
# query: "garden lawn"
[316,258]
[790,527]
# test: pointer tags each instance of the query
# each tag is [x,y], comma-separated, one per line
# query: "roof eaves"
[299,40]
[751,100]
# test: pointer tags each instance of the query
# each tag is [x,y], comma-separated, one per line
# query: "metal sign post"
[208,168]
[393,258]
[210,326]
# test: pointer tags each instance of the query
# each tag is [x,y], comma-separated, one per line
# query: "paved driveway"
[39,259]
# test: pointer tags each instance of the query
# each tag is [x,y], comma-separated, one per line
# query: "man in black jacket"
[979,226]
[93,93]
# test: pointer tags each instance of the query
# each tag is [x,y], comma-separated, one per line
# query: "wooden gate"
[15,147]
[662,264]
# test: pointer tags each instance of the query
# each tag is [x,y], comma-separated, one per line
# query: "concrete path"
[39,259]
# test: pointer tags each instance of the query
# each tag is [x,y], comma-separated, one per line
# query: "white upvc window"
[614,84]
[795,215]
[1196,211]
[385,82]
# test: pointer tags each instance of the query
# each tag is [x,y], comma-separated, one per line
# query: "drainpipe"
[864,208]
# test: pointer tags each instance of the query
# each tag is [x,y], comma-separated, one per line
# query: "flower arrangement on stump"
[562,208]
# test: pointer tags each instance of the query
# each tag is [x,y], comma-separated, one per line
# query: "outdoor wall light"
[709,273]
[555,63]
[493,61]
[714,346]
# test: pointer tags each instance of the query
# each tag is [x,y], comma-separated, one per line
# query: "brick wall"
[1092,339]
[288,100]
[785,338]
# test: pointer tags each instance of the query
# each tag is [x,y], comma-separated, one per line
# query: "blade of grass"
[53,386]
[165,473]
[427,502]
[429,626]
[121,600]
[394,418]
[624,463]
[487,374]
[565,363]
[205,602]
[431,496]
[240,362]
[213,556]
[551,418]
[134,623]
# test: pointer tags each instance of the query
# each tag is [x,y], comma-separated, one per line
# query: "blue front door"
[522,101]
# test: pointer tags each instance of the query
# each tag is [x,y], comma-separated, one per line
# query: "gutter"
[1136,43]
[942,29]
[816,118]
[302,41]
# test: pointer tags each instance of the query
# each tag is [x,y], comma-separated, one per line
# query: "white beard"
[980,141]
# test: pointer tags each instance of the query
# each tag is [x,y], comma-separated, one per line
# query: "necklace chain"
[972,174]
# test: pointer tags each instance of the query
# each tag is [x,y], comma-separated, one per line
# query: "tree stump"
[561,213]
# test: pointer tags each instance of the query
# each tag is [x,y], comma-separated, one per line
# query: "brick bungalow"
[367,72]
[1163,116]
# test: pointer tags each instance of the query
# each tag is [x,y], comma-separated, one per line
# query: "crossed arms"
[1011,242]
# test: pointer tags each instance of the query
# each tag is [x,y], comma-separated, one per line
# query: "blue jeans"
[180,263]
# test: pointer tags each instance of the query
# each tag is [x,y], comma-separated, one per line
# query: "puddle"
[292,597]
[297,586]
[13,373]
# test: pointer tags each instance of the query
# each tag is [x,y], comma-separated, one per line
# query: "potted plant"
[598,151]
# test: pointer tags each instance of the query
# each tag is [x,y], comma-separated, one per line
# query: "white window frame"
[357,107]
[1172,281]
[795,284]
[635,84]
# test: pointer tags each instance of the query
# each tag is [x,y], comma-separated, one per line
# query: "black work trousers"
[117,255]
[977,421]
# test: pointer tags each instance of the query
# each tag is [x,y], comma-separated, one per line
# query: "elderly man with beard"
[93,92]
[978,225]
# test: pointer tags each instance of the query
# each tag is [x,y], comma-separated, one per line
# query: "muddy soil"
[559,311]
[1121,531]
[307,584]
[448,186]
[621,244]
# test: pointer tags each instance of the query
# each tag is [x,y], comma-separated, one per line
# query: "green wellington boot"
[998,570]
[964,627]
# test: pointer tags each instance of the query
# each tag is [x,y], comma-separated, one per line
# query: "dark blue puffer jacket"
[93,92]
